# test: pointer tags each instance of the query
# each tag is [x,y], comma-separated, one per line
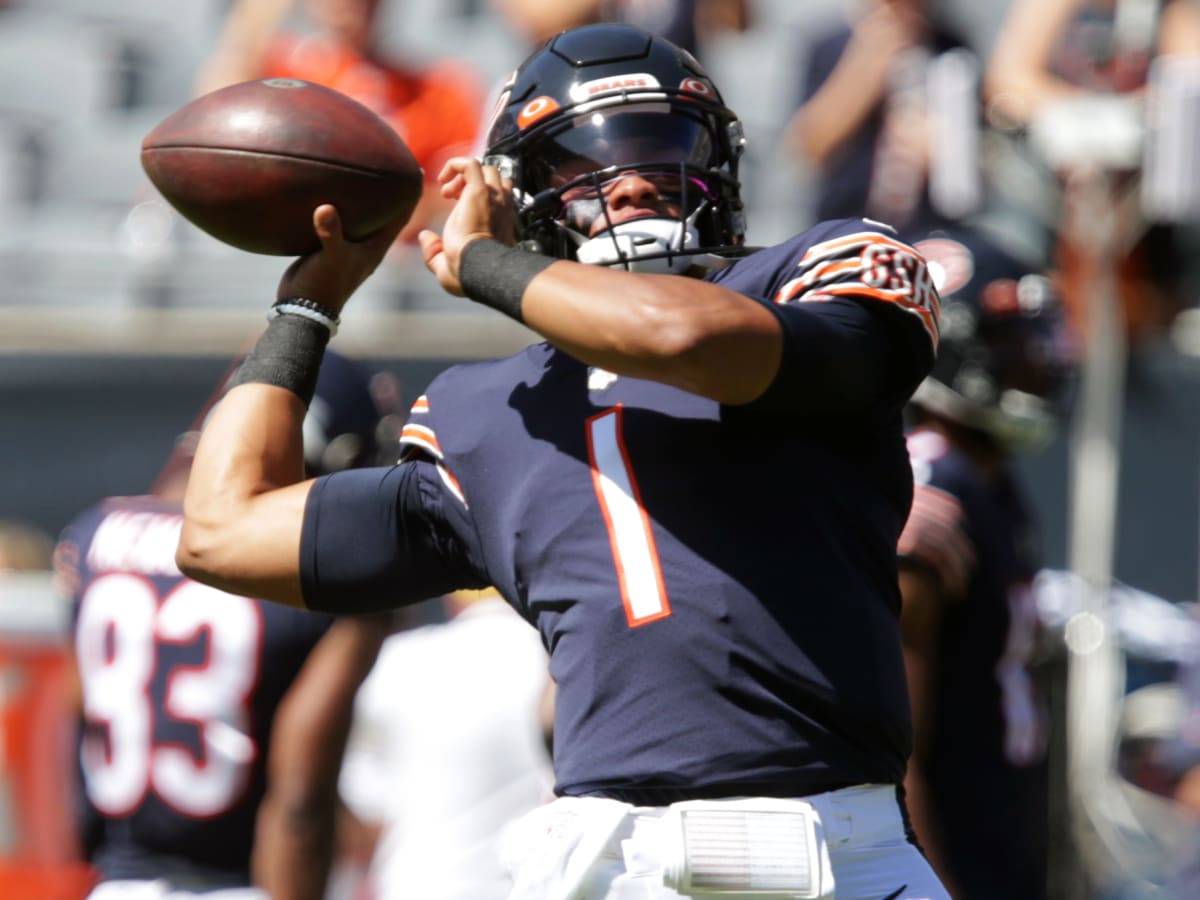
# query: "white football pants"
[585,848]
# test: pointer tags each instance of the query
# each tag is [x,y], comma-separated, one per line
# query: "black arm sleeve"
[375,539]
[840,356]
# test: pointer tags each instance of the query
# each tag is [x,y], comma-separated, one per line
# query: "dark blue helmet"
[601,101]
[1004,354]
[344,428]
[341,430]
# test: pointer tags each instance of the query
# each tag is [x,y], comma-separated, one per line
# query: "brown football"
[250,162]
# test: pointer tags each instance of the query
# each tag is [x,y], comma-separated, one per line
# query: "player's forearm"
[293,851]
[296,827]
[676,330]
[244,504]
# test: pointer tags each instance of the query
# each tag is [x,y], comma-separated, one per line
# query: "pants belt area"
[580,848]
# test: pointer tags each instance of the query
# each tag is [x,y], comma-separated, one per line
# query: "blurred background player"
[438,773]
[1050,58]
[977,783]
[212,724]
[864,124]
[1052,49]
[435,106]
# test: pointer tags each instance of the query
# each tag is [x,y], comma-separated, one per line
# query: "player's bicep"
[378,539]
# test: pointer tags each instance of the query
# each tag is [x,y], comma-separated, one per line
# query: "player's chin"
[602,226]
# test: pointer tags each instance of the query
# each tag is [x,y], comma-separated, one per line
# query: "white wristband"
[294,309]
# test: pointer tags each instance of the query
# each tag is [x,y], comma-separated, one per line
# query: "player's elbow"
[208,551]
[195,554]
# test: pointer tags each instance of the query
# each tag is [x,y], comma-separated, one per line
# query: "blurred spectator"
[977,782]
[24,548]
[1051,58]
[212,725]
[435,107]
[439,772]
[1050,49]
[687,23]
[864,123]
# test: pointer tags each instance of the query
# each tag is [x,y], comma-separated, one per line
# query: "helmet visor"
[666,193]
[619,137]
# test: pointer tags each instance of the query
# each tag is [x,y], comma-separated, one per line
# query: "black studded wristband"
[308,309]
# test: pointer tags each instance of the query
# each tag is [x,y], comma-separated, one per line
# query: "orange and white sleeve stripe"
[871,265]
[418,436]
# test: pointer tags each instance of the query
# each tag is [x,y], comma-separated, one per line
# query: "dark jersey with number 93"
[716,585]
[180,683]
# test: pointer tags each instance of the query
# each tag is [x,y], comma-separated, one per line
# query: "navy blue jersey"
[180,684]
[716,585]
[985,761]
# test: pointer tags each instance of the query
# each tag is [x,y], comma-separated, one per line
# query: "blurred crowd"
[1040,158]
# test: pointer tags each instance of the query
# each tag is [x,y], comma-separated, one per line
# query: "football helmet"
[606,109]
[354,420]
[343,428]
[1004,354]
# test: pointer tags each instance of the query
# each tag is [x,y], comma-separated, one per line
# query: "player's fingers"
[453,188]
[328,225]
[470,170]
[491,177]
[455,166]
[433,252]
[431,246]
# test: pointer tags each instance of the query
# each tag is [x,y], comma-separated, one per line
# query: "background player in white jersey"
[212,724]
[693,489]
[441,772]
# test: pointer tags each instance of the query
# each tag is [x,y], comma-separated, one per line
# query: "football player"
[693,487]
[212,724]
[978,777]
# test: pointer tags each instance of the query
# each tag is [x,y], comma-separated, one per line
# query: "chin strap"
[663,246]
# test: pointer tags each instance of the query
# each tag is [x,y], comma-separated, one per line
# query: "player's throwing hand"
[336,271]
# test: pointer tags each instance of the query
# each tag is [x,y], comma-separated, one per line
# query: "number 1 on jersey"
[633,549]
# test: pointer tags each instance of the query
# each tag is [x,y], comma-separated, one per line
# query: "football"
[249,163]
